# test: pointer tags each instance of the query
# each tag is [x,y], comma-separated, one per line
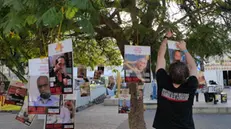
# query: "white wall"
[216,75]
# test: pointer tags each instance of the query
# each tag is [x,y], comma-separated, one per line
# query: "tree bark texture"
[136,115]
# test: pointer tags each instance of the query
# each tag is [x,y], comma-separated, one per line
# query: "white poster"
[41,101]
[66,118]
[61,67]
[137,64]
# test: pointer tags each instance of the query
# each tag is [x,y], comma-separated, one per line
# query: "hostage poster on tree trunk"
[61,67]
[137,64]
[41,101]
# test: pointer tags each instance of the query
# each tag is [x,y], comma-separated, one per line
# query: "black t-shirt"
[174,105]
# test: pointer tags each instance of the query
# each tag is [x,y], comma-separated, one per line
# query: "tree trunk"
[136,115]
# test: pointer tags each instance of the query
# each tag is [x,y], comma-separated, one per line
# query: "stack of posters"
[50,90]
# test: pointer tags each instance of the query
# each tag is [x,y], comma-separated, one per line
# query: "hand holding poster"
[174,52]
[23,115]
[137,64]
[61,67]
[16,94]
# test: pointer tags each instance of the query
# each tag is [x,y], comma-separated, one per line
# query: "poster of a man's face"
[137,64]
[84,88]
[124,106]
[16,94]
[23,115]
[61,68]
[82,72]
[97,75]
[40,99]
[65,119]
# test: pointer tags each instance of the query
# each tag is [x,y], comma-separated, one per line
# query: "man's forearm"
[162,49]
[190,61]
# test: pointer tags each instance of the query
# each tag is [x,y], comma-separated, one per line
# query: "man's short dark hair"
[56,61]
[178,72]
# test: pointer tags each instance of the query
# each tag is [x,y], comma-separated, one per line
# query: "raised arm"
[161,53]
[189,59]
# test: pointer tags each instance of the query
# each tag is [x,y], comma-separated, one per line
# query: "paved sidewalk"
[106,117]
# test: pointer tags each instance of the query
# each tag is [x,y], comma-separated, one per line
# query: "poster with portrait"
[97,75]
[174,53]
[101,69]
[81,72]
[61,67]
[66,118]
[40,100]
[124,93]
[16,93]
[23,115]
[124,105]
[137,64]
[84,86]
[3,93]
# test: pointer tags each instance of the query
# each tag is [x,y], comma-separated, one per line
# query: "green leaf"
[16,4]
[86,26]
[51,17]
[70,13]
[31,19]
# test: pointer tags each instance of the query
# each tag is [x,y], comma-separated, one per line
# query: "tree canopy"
[99,28]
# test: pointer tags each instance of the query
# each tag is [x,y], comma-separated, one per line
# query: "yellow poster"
[7,107]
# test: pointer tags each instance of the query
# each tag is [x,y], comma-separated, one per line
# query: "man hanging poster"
[23,115]
[137,64]
[41,101]
[16,94]
[61,67]
[66,118]
[174,52]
